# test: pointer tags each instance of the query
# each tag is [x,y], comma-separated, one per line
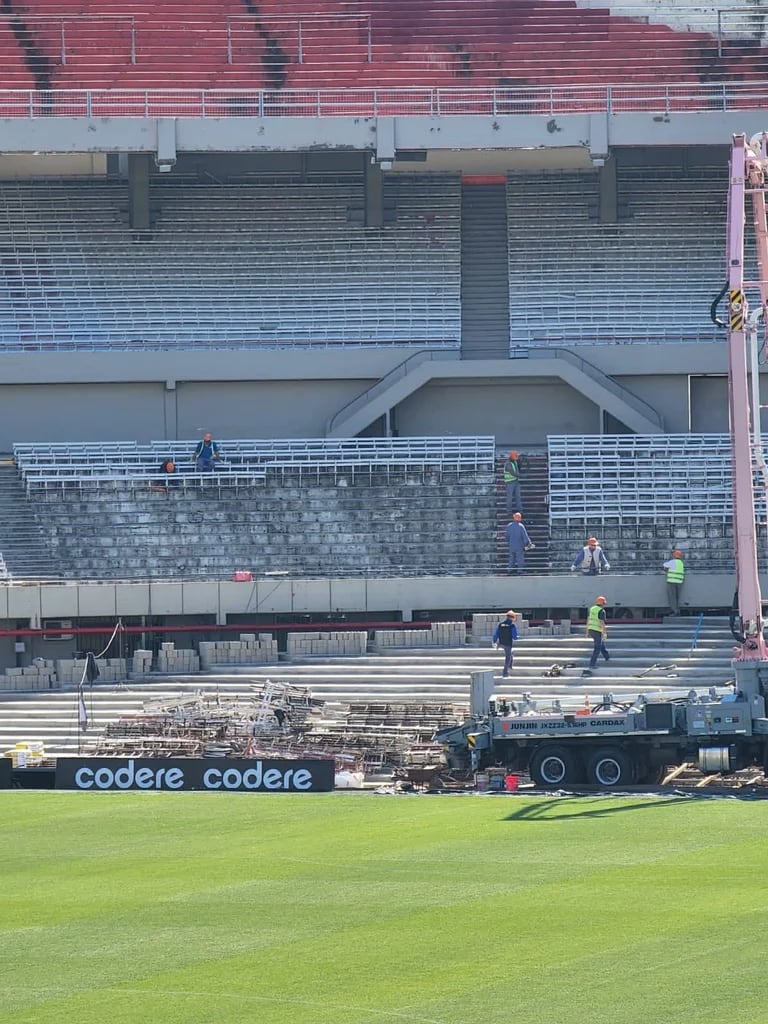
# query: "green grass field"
[194,908]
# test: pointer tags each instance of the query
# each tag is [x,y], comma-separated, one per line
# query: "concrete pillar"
[138,190]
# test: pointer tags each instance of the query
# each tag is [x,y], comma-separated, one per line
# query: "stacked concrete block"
[181,661]
[441,634]
[388,638]
[448,634]
[305,645]
[550,628]
[70,670]
[250,649]
[40,675]
[141,663]
[484,626]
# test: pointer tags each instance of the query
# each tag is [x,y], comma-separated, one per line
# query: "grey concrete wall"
[312,363]
[372,596]
[667,393]
[502,132]
[80,412]
[274,408]
[709,405]
[516,412]
[291,393]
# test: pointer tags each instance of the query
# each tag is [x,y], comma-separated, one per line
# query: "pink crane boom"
[748,177]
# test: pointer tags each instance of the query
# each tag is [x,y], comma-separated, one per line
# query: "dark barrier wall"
[6,768]
[214,774]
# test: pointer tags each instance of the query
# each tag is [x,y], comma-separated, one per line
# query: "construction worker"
[597,631]
[591,559]
[675,576]
[504,636]
[206,454]
[518,542]
[512,481]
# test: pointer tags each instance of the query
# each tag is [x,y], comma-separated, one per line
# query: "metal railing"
[65,22]
[748,22]
[89,461]
[301,22]
[397,373]
[591,371]
[417,101]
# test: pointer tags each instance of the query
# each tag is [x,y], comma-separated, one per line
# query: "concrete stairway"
[535,495]
[439,675]
[26,551]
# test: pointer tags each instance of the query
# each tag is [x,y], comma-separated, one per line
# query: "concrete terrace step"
[423,675]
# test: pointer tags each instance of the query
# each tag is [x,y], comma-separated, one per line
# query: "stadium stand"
[285,261]
[376,506]
[272,263]
[293,46]
[16,73]
[278,263]
[643,496]
[574,268]
[361,507]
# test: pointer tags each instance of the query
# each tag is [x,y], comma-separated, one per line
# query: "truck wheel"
[611,767]
[553,766]
[651,776]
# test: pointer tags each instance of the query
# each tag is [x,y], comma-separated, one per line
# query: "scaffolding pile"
[212,724]
[276,720]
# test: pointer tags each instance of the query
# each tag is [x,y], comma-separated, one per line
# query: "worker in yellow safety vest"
[512,483]
[597,630]
[675,576]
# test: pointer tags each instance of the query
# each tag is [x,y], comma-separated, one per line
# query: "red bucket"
[511,783]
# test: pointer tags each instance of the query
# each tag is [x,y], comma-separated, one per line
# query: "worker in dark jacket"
[206,454]
[504,636]
[518,542]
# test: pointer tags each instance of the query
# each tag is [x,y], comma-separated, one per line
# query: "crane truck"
[720,730]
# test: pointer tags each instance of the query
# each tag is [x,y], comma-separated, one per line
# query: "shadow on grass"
[564,807]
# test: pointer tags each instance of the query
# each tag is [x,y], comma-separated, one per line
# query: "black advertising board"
[215,775]
[6,768]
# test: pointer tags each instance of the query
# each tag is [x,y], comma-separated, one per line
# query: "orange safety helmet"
[600,600]
[513,455]
[517,516]
[591,541]
[677,554]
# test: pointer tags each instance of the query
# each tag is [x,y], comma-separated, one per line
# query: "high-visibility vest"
[677,573]
[511,471]
[594,622]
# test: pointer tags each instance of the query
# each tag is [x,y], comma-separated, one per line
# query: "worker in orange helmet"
[518,543]
[512,482]
[597,631]
[504,636]
[591,559]
[675,575]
